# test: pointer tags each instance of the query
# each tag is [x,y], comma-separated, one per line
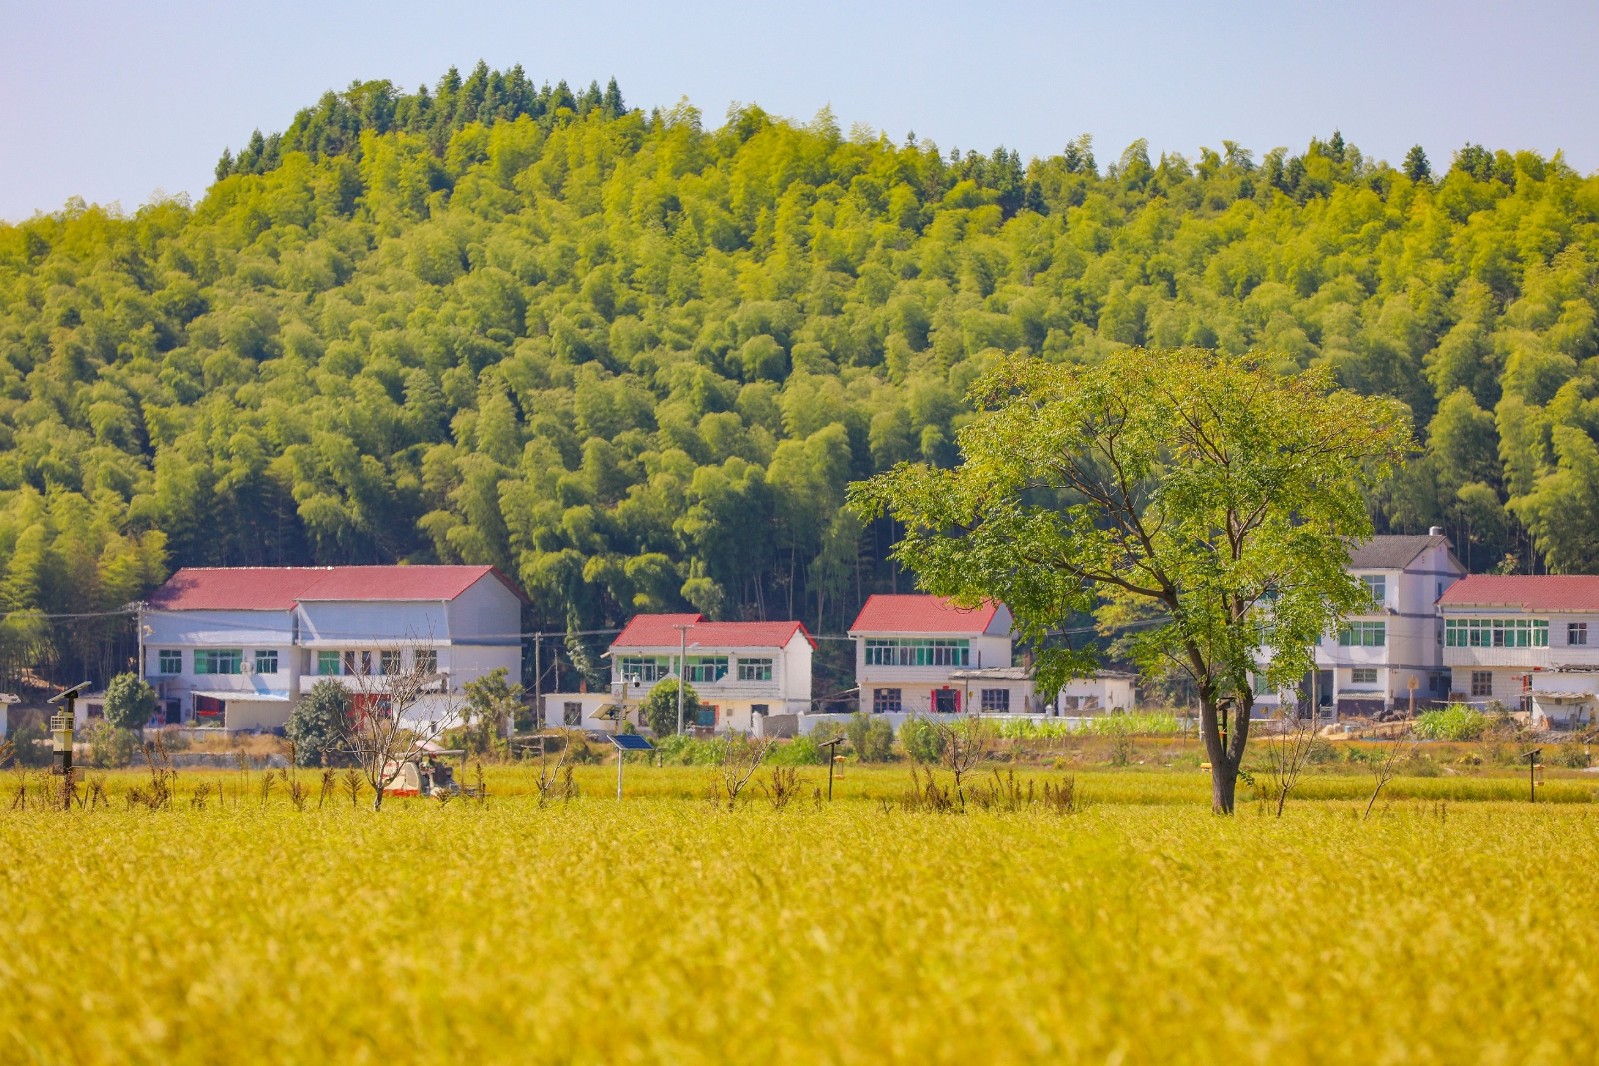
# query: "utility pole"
[682,668]
[538,684]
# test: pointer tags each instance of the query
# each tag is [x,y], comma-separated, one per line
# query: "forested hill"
[634,360]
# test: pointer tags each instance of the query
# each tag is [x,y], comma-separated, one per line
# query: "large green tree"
[1200,503]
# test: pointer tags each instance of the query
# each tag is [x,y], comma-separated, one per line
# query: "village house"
[742,672]
[1524,643]
[909,647]
[1379,657]
[237,646]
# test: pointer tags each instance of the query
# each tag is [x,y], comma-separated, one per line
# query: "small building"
[1010,690]
[237,646]
[1524,642]
[1106,692]
[741,671]
[908,648]
[1378,657]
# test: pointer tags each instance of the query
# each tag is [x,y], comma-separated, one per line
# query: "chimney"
[1435,531]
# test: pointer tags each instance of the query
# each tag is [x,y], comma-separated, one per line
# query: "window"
[885,701]
[918,651]
[1363,634]
[1377,586]
[1496,632]
[946,701]
[1363,675]
[704,669]
[427,661]
[755,669]
[760,709]
[358,663]
[266,661]
[218,660]
[1576,632]
[572,714]
[389,663]
[1482,683]
[171,662]
[1439,684]
[646,668]
[327,663]
[996,700]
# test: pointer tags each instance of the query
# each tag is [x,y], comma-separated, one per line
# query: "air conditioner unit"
[246,667]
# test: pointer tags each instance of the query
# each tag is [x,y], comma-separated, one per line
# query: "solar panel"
[630,742]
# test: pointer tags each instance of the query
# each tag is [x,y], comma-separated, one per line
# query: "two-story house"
[1378,657]
[1524,642]
[908,649]
[739,670]
[237,646]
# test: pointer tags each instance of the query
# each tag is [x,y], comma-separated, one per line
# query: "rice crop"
[1451,926]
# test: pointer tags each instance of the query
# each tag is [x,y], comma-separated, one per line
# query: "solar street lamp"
[832,757]
[61,726]
[626,742]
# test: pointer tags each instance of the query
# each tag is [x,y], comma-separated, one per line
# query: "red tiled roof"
[275,588]
[401,582]
[1542,592]
[921,614]
[660,631]
[243,588]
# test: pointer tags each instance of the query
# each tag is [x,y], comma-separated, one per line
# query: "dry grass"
[1137,928]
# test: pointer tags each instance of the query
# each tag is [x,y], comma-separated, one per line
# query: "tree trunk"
[1223,767]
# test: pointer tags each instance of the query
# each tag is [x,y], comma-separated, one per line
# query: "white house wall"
[218,629]
[487,612]
[373,624]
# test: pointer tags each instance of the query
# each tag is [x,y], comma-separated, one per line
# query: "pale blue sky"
[113,101]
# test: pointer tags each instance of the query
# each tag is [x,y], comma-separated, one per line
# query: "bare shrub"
[1387,765]
[781,787]
[966,744]
[741,757]
[378,733]
[1286,753]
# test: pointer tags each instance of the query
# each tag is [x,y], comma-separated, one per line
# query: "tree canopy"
[1201,504]
[635,360]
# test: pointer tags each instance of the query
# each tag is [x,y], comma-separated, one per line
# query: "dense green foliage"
[634,361]
[659,709]
[1456,722]
[129,702]
[316,725]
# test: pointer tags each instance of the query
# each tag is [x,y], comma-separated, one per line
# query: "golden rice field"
[1451,927]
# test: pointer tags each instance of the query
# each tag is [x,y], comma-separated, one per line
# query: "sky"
[119,102]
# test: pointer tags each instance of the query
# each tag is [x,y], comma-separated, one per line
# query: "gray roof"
[1390,552]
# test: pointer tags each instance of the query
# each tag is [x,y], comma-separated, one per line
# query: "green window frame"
[329,663]
[169,661]
[219,661]
[918,651]
[1363,634]
[755,669]
[647,668]
[1496,632]
[705,669]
